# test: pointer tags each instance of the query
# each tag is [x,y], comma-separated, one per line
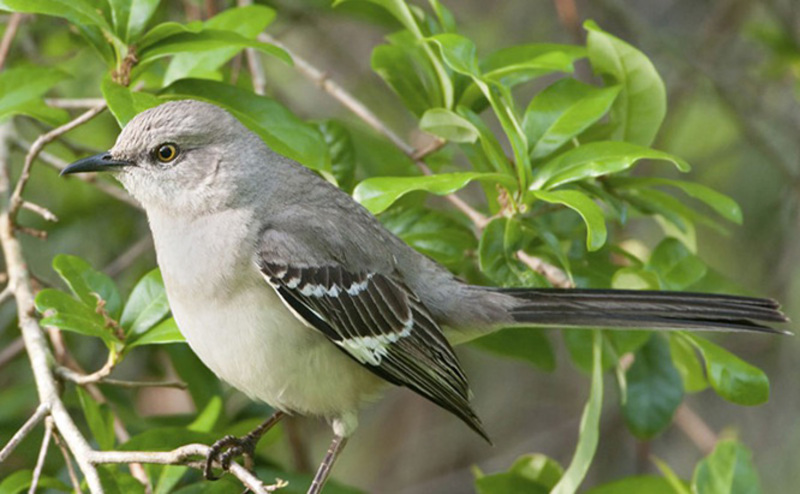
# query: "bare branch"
[73,477]
[40,210]
[83,379]
[695,428]
[11,31]
[554,275]
[12,351]
[37,470]
[144,384]
[74,103]
[15,202]
[254,64]
[27,427]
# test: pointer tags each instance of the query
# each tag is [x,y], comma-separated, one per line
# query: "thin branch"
[27,427]
[37,470]
[144,384]
[15,202]
[11,31]
[83,379]
[124,260]
[695,428]
[40,210]
[254,64]
[12,351]
[73,477]
[554,275]
[74,103]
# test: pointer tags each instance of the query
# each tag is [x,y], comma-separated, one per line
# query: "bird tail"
[642,309]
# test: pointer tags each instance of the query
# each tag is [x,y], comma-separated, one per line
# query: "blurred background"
[732,72]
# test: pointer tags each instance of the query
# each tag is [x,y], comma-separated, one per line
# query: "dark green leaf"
[490,146]
[72,315]
[75,11]
[529,345]
[21,91]
[677,268]
[280,128]
[595,159]
[728,469]
[85,282]
[378,193]
[732,378]
[563,111]
[501,240]
[642,104]
[146,306]
[342,152]
[638,484]
[583,205]
[124,103]
[163,333]
[688,364]
[448,125]
[654,390]
[100,419]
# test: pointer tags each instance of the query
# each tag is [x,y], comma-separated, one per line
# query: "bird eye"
[166,153]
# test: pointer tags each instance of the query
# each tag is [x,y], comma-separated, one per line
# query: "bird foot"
[228,448]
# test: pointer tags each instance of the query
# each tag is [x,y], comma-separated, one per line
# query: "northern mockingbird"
[296,295]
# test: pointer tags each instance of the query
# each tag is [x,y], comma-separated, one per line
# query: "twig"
[40,210]
[37,470]
[11,31]
[144,384]
[73,477]
[15,202]
[124,260]
[695,428]
[12,351]
[83,379]
[74,103]
[553,274]
[27,427]
[254,64]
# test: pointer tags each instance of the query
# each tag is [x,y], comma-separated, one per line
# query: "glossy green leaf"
[688,364]
[147,304]
[21,91]
[732,378]
[596,159]
[635,279]
[582,204]
[342,153]
[247,21]
[140,13]
[728,469]
[99,417]
[280,128]
[162,333]
[204,41]
[529,345]
[562,111]
[85,282]
[164,30]
[124,103]
[642,104]
[722,204]
[75,11]
[445,17]
[458,52]
[501,240]
[654,390]
[407,70]
[489,145]
[589,433]
[448,125]
[71,315]
[638,484]
[378,193]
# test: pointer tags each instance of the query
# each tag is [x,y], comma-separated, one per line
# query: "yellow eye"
[166,153]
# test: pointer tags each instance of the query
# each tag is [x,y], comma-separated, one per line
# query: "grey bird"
[296,295]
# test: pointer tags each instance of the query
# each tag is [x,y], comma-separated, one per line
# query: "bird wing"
[374,318]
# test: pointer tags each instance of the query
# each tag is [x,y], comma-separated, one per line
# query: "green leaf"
[637,484]
[687,363]
[342,153]
[247,21]
[642,103]
[677,268]
[508,483]
[654,390]
[679,486]
[728,469]
[589,433]
[147,304]
[166,439]
[529,345]
[203,41]
[21,480]
[75,11]
[280,128]
[501,240]
[378,193]
[124,103]
[100,419]
[722,204]
[458,52]
[448,125]
[85,282]
[407,70]
[595,159]
[563,111]
[532,473]
[21,91]
[141,11]
[163,333]
[490,146]
[583,205]
[732,378]
[72,315]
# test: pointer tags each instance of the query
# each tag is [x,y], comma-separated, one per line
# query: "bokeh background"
[732,72]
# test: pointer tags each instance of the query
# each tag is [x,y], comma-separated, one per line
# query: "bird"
[293,293]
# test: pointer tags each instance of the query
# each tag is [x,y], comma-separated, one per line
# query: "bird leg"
[230,447]
[324,470]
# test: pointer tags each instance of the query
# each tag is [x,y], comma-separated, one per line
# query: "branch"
[695,428]
[254,64]
[12,351]
[74,103]
[40,210]
[83,379]
[73,477]
[37,470]
[11,31]
[27,427]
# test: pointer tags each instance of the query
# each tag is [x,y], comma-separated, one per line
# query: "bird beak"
[98,163]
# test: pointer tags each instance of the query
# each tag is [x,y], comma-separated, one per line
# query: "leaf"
[728,469]
[589,432]
[99,417]
[280,128]
[342,153]
[562,111]
[21,480]
[508,483]
[407,70]
[501,240]
[458,52]
[722,204]
[84,282]
[534,473]
[677,268]
[146,306]
[679,486]
[642,103]
[529,345]
[595,159]
[124,103]
[21,91]
[75,11]
[636,484]
[687,363]
[654,390]
[247,21]
[490,146]
[72,315]
[163,333]
[448,125]
[140,13]
[204,41]
[378,193]
[583,205]
[732,378]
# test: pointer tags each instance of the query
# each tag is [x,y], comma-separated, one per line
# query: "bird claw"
[225,450]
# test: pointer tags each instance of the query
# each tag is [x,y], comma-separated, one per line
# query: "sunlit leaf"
[204,41]
[69,314]
[147,304]
[124,103]
[87,284]
[21,91]
[162,333]
[637,484]
[728,469]
[582,204]
[448,125]
[688,364]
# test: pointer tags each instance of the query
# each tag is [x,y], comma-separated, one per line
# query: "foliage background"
[731,69]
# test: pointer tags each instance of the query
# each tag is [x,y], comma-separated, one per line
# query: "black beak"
[98,163]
